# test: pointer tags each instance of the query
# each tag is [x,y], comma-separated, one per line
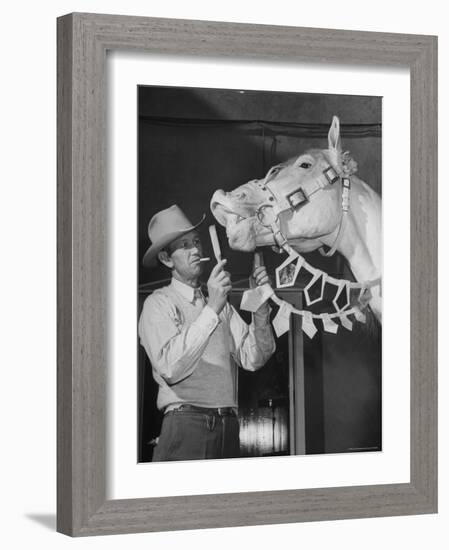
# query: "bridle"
[269,214]
[294,196]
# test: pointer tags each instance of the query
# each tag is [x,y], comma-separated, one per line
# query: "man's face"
[182,257]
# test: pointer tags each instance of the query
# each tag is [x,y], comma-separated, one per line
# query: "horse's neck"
[361,240]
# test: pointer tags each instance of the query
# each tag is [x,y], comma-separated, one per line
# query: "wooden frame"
[83,40]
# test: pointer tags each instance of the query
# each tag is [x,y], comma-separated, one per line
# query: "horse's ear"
[333,137]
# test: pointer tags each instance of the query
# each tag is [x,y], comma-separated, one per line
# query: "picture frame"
[83,41]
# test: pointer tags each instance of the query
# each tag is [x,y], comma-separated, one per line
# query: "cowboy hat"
[164,227]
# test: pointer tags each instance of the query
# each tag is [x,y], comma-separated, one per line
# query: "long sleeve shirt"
[194,352]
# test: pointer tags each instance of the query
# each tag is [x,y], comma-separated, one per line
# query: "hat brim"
[150,256]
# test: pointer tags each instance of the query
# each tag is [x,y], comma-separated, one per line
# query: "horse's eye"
[305,165]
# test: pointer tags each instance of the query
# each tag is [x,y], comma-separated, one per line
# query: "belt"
[218,411]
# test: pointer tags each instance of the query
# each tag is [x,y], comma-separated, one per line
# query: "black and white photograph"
[221,256]
[260,273]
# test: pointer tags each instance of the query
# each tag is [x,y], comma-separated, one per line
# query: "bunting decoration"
[359,315]
[255,297]
[281,323]
[328,324]
[308,326]
[286,275]
[343,293]
[318,279]
[287,272]
[346,323]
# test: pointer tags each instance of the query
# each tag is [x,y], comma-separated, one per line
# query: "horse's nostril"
[238,194]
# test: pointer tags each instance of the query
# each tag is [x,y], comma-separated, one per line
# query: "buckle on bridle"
[331,175]
[260,215]
[297,197]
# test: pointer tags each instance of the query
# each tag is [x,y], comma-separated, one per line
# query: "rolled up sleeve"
[254,344]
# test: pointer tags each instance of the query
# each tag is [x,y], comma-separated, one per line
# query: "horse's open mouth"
[239,228]
[224,215]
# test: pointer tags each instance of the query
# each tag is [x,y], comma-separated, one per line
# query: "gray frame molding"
[83,40]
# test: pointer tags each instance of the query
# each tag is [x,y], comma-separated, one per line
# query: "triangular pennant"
[316,275]
[365,296]
[287,272]
[253,298]
[342,299]
[281,323]
[359,315]
[308,326]
[346,322]
[328,324]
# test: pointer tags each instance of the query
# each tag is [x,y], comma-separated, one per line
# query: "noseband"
[294,196]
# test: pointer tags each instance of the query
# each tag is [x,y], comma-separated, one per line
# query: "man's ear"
[165,259]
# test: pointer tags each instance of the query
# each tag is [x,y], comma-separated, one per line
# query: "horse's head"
[302,196]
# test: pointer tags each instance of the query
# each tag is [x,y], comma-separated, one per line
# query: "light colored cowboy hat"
[164,227]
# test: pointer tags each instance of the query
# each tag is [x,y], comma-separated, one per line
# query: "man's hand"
[219,285]
[259,277]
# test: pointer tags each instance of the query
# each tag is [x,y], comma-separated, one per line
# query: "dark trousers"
[192,435]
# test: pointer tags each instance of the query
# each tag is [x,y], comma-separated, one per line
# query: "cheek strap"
[346,188]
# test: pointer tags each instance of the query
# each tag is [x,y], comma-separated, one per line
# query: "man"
[194,342]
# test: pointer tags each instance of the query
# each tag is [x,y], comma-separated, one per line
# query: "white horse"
[312,201]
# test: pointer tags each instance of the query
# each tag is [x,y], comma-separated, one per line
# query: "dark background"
[193,141]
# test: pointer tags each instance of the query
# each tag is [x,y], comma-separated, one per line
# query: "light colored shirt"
[194,352]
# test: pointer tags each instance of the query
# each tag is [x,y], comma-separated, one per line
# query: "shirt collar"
[186,291]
